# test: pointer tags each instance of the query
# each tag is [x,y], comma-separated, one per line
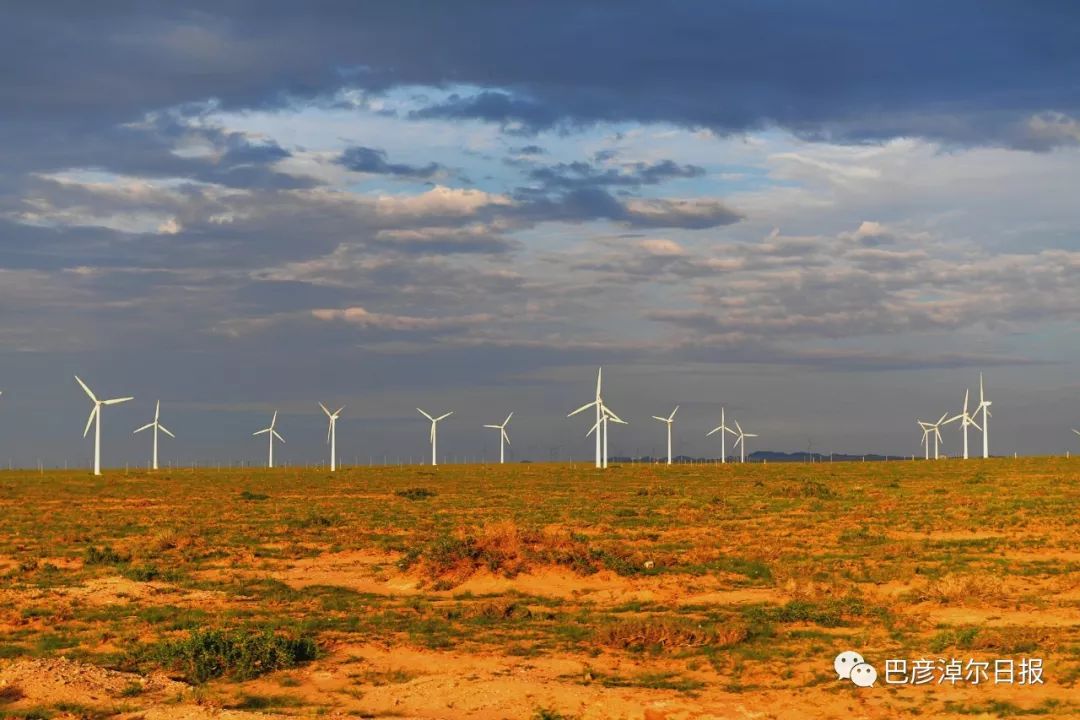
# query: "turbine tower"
[156,426]
[936,429]
[601,428]
[741,441]
[95,415]
[965,420]
[722,429]
[272,433]
[331,434]
[434,433]
[984,405]
[669,420]
[598,403]
[504,439]
[926,428]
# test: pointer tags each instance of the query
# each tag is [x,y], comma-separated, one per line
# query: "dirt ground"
[538,591]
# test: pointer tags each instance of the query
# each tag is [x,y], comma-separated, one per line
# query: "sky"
[825,217]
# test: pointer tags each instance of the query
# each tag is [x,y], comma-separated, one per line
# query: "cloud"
[360,317]
[369,160]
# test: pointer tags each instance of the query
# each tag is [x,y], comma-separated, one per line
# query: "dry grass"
[650,632]
[960,589]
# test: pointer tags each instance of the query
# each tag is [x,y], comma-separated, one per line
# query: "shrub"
[416,493]
[654,632]
[237,654]
[104,556]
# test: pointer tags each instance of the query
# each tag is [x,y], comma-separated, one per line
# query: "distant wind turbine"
[601,428]
[936,429]
[926,428]
[156,426]
[95,414]
[331,434]
[965,420]
[434,433]
[504,439]
[668,420]
[271,433]
[984,405]
[598,403]
[741,441]
[722,429]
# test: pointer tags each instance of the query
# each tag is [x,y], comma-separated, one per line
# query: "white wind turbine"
[95,414]
[984,405]
[926,428]
[272,433]
[601,428]
[669,420]
[722,429]
[156,426]
[504,439]
[741,441]
[434,432]
[598,403]
[936,429]
[965,420]
[331,434]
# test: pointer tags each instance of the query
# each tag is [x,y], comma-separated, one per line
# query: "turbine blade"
[116,401]
[261,432]
[751,435]
[505,437]
[495,427]
[1075,431]
[654,417]
[714,430]
[942,418]
[507,420]
[444,416]
[157,411]
[599,375]
[338,411]
[325,410]
[424,414]
[147,426]
[583,407]
[593,428]
[275,432]
[90,420]
[672,415]
[739,427]
[166,431]
[88,391]
[971,421]
[329,430]
[611,414]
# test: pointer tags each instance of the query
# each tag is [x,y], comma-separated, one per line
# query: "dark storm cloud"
[369,160]
[969,72]
[592,203]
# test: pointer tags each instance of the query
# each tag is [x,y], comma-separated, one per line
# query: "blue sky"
[826,217]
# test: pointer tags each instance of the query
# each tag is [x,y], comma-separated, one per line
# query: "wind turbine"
[965,420]
[984,405]
[156,426]
[669,420]
[601,427]
[723,440]
[271,433]
[504,439]
[331,434]
[434,433]
[95,414]
[741,441]
[926,428]
[936,429]
[598,403]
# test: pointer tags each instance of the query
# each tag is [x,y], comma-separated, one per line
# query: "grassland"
[536,591]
